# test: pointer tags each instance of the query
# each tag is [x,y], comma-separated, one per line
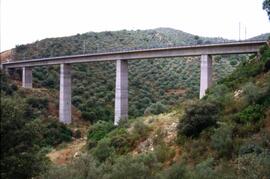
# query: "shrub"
[77,134]
[250,148]
[251,92]
[198,117]
[252,113]
[151,163]
[140,129]
[222,141]
[90,116]
[233,62]
[120,140]
[128,167]
[98,131]
[155,108]
[37,102]
[216,93]
[103,150]
[83,167]
[56,132]
[204,170]
[163,152]
[20,139]
[243,72]
[176,171]
[254,165]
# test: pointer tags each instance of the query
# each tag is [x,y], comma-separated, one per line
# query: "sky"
[26,21]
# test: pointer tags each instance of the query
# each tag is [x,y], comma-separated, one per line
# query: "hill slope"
[224,135]
[151,82]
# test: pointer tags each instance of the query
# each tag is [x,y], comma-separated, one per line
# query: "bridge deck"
[180,51]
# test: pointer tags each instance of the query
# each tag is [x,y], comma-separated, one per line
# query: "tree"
[20,153]
[198,117]
[266,7]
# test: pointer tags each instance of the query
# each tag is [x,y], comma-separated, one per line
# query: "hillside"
[151,82]
[224,135]
[5,56]
[30,128]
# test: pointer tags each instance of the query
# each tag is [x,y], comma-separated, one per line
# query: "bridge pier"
[65,94]
[121,91]
[206,74]
[27,77]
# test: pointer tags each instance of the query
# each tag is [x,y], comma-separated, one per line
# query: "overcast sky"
[25,21]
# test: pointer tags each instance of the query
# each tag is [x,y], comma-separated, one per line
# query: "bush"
[163,152]
[98,131]
[37,102]
[20,139]
[140,129]
[77,134]
[198,117]
[103,150]
[90,116]
[252,113]
[204,170]
[83,167]
[176,171]
[222,141]
[233,62]
[155,108]
[254,165]
[120,140]
[250,148]
[56,132]
[251,92]
[128,167]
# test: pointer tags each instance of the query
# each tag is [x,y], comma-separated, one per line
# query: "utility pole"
[84,47]
[245,32]
[239,31]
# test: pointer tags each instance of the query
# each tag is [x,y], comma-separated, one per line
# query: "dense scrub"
[234,136]
[25,132]
[221,136]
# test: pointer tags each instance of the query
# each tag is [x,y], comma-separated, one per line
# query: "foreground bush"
[20,139]
[98,131]
[254,165]
[155,108]
[84,167]
[222,140]
[198,117]
[55,133]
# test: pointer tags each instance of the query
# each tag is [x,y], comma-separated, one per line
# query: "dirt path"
[62,155]
[66,154]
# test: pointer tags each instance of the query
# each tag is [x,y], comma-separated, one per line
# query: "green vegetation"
[197,117]
[234,136]
[150,81]
[266,7]
[25,132]
[224,135]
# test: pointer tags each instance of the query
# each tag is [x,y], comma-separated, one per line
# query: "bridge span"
[121,57]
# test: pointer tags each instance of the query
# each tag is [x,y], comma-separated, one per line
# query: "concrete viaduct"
[121,88]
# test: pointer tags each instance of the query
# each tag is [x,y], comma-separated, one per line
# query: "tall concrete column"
[65,94]
[121,91]
[206,74]
[27,77]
